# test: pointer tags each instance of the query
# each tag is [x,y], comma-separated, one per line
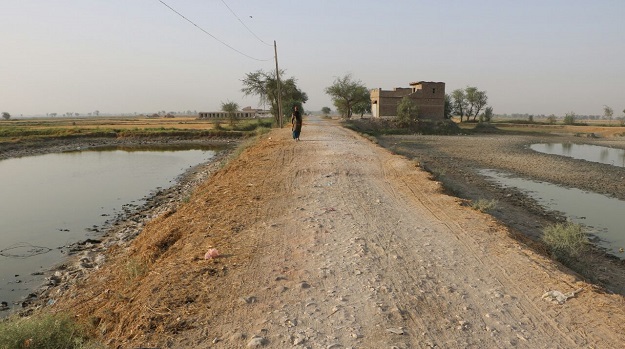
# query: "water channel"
[601,215]
[50,201]
[595,153]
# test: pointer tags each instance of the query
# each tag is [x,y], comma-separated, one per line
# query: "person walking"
[296,123]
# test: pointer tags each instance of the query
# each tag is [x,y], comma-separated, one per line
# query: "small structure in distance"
[428,96]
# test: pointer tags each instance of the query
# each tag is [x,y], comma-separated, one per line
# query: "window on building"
[434,90]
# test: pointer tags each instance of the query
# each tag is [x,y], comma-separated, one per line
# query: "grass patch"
[566,241]
[45,331]
[134,269]
[484,205]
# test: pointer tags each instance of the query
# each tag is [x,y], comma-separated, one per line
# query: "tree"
[346,93]
[407,112]
[6,116]
[460,104]
[96,113]
[608,112]
[231,109]
[448,107]
[551,119]
[569,118]
[362,108]
[488,115]
[326,110]
[265,86]
[476,100]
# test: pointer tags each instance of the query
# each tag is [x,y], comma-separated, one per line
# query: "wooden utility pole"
[280,122]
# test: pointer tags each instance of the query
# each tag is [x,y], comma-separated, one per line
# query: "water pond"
[588,152]
[601,215]
[50,201]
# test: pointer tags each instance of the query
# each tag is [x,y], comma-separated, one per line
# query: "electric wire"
[248,29]
[211,35]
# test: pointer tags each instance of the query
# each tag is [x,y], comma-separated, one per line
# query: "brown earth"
[334,242]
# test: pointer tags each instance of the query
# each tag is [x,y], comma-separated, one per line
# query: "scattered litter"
[211,253]
[559,297]
[399,330]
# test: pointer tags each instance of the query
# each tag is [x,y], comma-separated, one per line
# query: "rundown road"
[333,242]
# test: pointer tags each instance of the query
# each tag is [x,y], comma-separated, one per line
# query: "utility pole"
[280,122]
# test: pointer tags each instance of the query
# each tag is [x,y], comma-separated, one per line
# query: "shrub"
[484,205]
[565,240]
[569,118]
[45,331]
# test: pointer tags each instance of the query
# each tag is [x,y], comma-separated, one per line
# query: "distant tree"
[476,99]
[53,114]
[487,116]
[346,93]
[608,112]
[265,86]
[569,118]
[448,107]
[551,119]
[76,114]
[6,116]
[362,108]
[326,110]
[407,112]
[231,109]
[460,104]
[96,113]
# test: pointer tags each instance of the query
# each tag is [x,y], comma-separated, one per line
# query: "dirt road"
[333,242]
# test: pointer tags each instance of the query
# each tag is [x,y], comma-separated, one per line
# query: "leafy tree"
[407,112]
[231,109]
[468,102]
[326,110]
[608,112]
[448,106]
[362,108]
[460,104]
[477,100]
[6,116]
[488,114]
[96,113]
[569,118]
[265,86]
[346,93]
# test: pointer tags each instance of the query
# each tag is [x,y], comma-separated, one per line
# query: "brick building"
[428,96]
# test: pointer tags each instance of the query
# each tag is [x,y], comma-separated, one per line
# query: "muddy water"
[595,153]
[50,201]
[601,215]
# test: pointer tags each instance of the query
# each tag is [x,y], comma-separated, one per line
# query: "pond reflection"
[588,152]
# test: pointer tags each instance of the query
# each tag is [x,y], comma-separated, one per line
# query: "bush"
[484,205]
[44,331]
[569,118]
[565,240]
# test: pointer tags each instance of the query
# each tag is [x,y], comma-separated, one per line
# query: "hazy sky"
[538,57]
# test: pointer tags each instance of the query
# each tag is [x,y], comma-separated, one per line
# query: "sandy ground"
[334,242]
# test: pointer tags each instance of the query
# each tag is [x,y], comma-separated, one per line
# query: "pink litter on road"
[211,253]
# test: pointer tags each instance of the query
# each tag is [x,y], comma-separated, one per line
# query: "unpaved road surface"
[333,242]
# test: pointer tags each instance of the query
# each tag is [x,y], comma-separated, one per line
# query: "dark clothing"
[296,121]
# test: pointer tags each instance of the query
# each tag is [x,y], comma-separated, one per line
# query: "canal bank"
[457,161]
[120,227]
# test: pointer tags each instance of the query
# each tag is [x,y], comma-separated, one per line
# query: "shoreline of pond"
[89,254]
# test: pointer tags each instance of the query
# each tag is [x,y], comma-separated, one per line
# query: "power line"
[248,29]
[211,35]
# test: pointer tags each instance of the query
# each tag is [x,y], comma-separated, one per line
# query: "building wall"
[429,97]
[224,115]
